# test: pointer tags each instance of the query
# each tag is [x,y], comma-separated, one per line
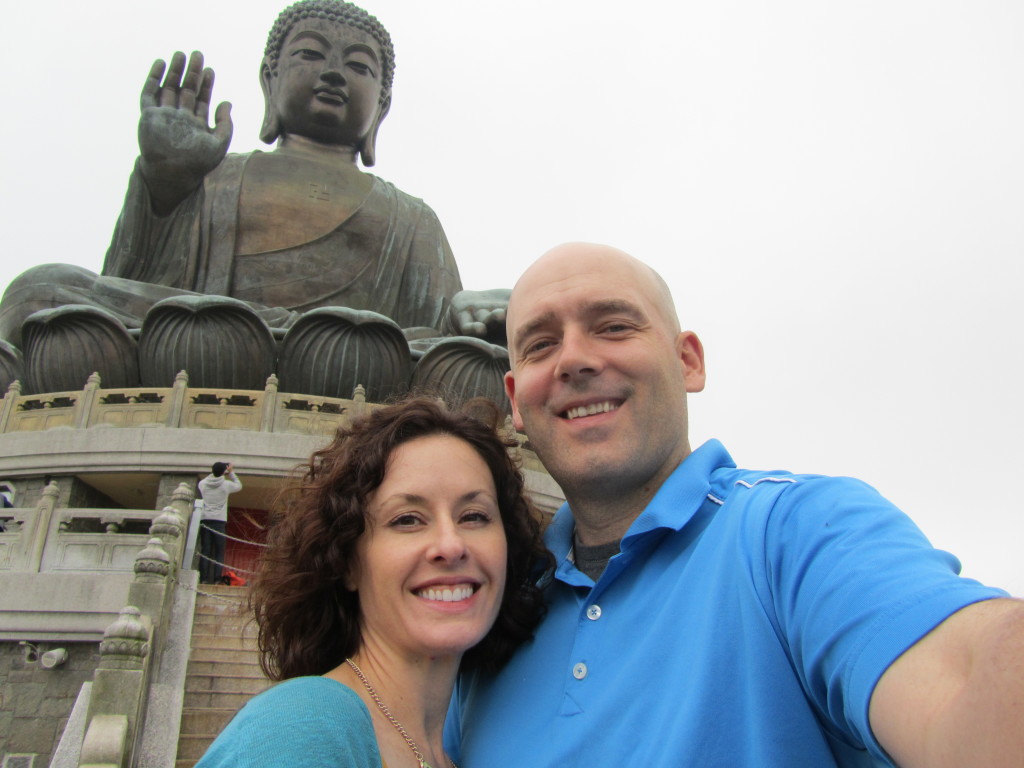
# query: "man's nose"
[577,356]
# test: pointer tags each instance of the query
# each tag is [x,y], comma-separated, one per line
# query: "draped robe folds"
[390,255]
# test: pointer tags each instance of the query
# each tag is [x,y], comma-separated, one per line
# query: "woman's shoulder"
[305,721]
[310,693]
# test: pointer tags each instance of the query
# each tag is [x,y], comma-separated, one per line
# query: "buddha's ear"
[271,128]
[368,151]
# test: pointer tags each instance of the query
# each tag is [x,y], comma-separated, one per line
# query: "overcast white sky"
[833,190]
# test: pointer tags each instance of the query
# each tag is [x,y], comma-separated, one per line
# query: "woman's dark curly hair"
[308,621]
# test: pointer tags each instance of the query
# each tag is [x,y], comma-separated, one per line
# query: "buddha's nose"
[333,71]
[332,75]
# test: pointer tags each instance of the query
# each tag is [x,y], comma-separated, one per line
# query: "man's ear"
[271,128]
[690,352]
[368,151]
[510,391]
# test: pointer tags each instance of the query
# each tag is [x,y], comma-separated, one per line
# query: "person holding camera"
[215,489]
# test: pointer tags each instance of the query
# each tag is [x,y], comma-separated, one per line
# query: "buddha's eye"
[361,68]
[309,54]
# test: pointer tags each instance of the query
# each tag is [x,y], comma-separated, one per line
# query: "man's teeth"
[447,595]
[589,410]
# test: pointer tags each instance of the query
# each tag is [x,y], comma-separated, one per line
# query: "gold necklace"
[391,718]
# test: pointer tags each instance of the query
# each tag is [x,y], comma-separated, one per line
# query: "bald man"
[704,615]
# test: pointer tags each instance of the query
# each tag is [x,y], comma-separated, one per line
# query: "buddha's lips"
[331,94]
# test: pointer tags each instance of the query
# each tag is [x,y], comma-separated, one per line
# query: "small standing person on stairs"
[408,550]
[215,489]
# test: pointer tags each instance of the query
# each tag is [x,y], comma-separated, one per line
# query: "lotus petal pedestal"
[221,342]
[12,365]
[331,350]
[64,345]
[460,368]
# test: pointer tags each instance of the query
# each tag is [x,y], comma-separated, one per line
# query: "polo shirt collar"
[672,507]
[683,493]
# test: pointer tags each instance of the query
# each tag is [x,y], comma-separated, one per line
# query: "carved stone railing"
[46,539]
[178,406]
[132,644]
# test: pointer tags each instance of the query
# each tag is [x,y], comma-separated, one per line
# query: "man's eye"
[537,346]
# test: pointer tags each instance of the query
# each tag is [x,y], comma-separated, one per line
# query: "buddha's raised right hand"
[177,145]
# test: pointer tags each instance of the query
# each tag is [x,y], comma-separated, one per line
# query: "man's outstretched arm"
[956,697]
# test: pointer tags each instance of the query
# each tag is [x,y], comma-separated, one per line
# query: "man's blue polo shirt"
[745,622]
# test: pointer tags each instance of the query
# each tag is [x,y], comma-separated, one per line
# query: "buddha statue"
[221,263]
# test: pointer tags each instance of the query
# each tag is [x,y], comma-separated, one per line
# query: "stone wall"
[35,702]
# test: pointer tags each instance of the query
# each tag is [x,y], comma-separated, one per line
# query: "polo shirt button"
[594,612]
[579,671]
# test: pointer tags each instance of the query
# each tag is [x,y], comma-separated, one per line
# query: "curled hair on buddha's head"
[344,13]
[309,622]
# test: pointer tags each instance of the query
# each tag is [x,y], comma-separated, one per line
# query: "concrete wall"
[35,703]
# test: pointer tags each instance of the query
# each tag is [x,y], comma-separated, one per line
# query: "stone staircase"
[223,669]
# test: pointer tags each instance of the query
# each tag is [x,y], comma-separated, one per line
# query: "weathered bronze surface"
[285,231]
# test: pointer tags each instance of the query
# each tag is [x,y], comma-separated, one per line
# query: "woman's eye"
[476,516]
[404,521]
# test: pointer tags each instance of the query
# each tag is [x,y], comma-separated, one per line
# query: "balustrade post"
[118,690]
[359,406]
[169,527]
[41,527]
[177,399]
[269,404]
[83,408]
[7,408]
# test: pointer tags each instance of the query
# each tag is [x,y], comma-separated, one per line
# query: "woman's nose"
[448,544]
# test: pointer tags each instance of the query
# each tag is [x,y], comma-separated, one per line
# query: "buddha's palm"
[177,145]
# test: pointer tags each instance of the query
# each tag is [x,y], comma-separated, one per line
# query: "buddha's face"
[327,85]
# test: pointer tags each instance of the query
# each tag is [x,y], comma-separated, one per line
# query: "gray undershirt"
[593,560]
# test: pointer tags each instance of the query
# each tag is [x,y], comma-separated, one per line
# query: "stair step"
[224,641]
[205,722]
[208,612]
[224,630]
[236,665]
[192,747]
[225,684]
[223,654]
[216,699]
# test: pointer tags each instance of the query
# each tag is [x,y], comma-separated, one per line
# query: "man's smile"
[590,409]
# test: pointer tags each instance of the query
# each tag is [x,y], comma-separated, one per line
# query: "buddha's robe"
[390,255]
